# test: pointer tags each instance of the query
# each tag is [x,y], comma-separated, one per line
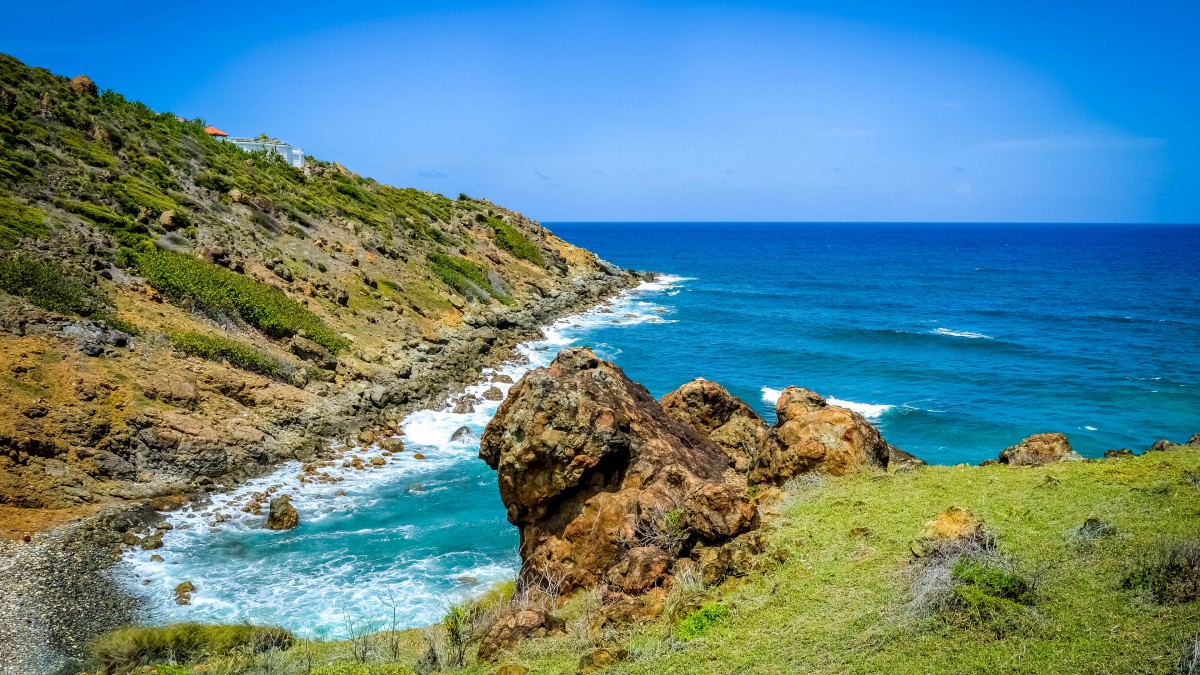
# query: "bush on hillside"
[700,621]
[467,278]
[238,354]
[18,221]
[185,277]
[1168,571]
[49,286]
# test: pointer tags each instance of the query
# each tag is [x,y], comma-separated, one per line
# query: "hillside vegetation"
[1080,567]
[175,310]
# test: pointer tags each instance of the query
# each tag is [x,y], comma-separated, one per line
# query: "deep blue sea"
[956,340]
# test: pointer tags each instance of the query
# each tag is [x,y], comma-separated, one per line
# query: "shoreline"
[59,588]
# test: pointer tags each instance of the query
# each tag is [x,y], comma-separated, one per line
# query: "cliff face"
[174,310]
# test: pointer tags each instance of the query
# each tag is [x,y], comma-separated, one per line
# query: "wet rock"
[505,379]
[183,593]
[463,434]
[283,515]
[156,558]
[464,405]
[391,444]
[587,459]
[152,542]
[514,624]
[493,394]
[468,581]
[1038,450]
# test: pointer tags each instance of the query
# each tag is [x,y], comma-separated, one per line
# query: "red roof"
[213,131]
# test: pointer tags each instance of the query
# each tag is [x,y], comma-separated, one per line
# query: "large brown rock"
[514,624]
[725,419]
[590,466]
[811,435]
[84,85]
[1039,449]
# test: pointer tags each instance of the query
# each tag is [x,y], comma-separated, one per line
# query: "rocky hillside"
[176,312]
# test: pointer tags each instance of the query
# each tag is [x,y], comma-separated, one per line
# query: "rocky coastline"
[58,593]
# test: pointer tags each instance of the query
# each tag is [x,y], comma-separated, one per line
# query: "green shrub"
[698,622]
[127,649]
[1168,571]
[991,580]
[467,278]
[187,278]
[238,354]
[512,240]
[18,221]
[49,286]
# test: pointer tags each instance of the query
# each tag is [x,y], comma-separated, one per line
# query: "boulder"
[1194,441]
[463,435]
[722,417]
[493,394]
[1161,445]
[514,624]
[1038,450]
[84,85]
[811,435]
[1117,454]
[590,467]
[283,515]
[183,593]
[954,527]
[168,218]
[464,405]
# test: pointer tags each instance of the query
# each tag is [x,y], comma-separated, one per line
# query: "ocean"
[956,340]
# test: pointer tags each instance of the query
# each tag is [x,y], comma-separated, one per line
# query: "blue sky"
[814,111]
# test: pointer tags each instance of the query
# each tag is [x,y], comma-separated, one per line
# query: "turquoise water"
[956,340]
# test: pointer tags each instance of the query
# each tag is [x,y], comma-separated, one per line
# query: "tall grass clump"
[49,286]
[127,649]
[700,621]
[1168,571]
[187,278]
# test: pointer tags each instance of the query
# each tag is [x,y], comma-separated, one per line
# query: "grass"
[467,278]
[512,240]
[238,354]
[184,277]
[826,601]
[127,649]
[49,286]
[18,221]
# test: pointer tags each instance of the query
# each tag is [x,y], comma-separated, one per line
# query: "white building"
[294,156]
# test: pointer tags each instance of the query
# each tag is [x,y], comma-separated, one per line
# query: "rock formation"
[809,434]
[1039,449]
[283,515]
[595,474]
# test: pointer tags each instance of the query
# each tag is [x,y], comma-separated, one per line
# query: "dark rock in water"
[1038,450]
[1162,445]
[493,394]
[515,624]
[1117,454]
[283,515]
[505,379]
[463,435]
[464,405]
[471,581]
[183,593]
[588,461]
[391,444]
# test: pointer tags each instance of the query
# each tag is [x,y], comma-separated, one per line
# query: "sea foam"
[961,333]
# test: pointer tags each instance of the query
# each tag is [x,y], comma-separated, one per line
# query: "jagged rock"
[1117,454]
[1194,441]
[733,558]
[1039,449]
[643,568]
[597,660]
[84,85]
[283,515]
[463,435]
[1162,445]
[313,353]
[391,444]
[493,394]
[588,462]
[183,593]
[811,435]
[722,417]
[899,460]
[464,405]
[514,624]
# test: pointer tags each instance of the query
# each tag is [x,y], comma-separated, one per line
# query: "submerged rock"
[591,467]
[183,593]
[493,394]
[1039,449]
[463,434]
[283,515]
